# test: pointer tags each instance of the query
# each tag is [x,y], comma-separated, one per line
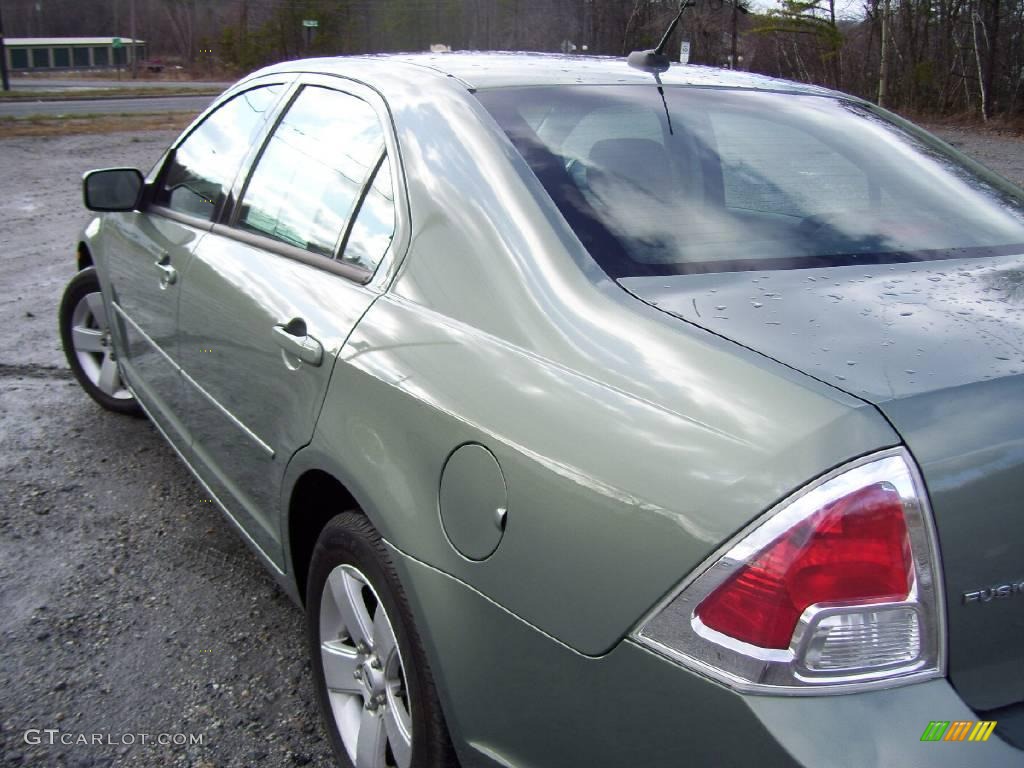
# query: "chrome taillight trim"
[672,630]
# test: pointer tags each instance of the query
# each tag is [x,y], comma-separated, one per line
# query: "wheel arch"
[84,256]
[315,499]
[316,489]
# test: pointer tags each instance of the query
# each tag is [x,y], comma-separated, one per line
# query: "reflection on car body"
[589,425]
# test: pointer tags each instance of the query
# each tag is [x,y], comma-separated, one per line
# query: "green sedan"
[595,416]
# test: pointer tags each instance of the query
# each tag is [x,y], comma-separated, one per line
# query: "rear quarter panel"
[633,444]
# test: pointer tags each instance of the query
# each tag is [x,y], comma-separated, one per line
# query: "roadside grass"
[74,125]
[170,74]
[88,94]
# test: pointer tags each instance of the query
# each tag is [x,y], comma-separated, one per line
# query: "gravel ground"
[1003,154]
[127,605]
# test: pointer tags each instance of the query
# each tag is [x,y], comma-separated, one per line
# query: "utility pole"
[135,48]
[3,56]
[738,7]
[732,51]
[117,31]
[883,67]
[243,34]
[588,25]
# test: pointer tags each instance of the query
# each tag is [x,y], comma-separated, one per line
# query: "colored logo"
[958,730]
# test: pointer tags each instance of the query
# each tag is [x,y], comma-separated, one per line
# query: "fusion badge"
[997,592]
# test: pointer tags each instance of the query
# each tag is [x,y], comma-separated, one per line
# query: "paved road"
[23,108]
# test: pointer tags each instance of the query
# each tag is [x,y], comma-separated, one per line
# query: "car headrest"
[642,162]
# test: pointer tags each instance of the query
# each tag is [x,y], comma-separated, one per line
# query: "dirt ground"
[127,606]
[1003,154]
[38,126]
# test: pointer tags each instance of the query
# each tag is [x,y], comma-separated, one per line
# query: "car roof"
[478,71]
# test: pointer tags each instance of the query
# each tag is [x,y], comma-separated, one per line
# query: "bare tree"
[181,14]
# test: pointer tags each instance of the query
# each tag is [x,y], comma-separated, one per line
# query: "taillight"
[854,549]
[835,589]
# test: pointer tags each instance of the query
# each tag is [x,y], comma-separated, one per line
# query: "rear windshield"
[714,180]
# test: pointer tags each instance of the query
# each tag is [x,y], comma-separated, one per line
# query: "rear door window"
[374,226]
[307,183]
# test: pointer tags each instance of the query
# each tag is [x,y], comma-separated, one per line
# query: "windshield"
[715,180]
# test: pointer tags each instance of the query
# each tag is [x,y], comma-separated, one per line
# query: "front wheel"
[373,684]
[85,334]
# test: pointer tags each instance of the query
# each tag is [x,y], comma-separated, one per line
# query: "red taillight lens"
[834,589]
[853,550]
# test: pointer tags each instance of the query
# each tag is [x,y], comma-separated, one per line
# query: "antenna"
[655,60]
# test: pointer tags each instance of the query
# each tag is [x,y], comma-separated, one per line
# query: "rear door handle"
[292,338]
[168,274]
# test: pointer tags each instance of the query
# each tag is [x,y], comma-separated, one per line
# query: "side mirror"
[112,189]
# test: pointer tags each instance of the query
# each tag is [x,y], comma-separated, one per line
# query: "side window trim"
[232,209]
[357,204]
[265,142]
[228,225]
[242,180]
[256,148]
[349,271]
[384,274]
[182,218]
[294,82]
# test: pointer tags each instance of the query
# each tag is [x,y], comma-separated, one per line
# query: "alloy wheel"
[90,337]
[364,673]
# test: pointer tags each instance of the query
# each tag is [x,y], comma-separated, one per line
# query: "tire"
[85,335]
[380,707]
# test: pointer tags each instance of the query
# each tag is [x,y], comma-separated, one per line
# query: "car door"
[272,294]
[148,251]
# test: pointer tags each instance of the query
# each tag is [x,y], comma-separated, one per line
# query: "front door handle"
[168,274]
[292,338]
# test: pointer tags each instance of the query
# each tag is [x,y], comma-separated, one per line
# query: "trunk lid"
[938,347]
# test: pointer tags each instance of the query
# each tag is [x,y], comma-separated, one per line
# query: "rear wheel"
[373,684]
[85,334]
